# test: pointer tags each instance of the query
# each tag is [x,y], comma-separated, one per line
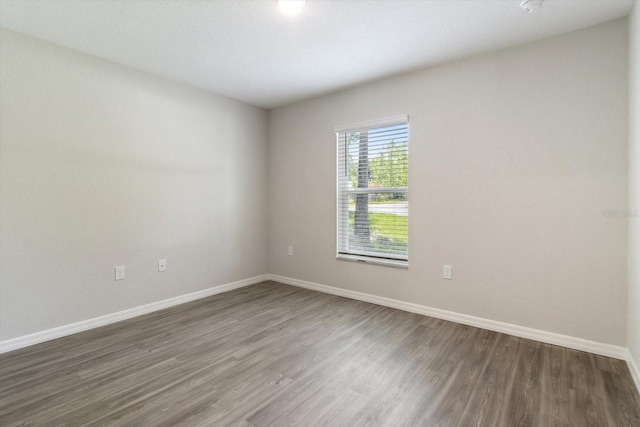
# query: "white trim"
[404,264]
[372,124]
[519,331]
[478,322]
[633,368]
[84,325]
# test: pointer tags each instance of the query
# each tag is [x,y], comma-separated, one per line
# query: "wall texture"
[102,165]
[633,322]
[517,159]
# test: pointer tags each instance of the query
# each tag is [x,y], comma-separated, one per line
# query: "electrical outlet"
[162,265]
[119,272]
[446,272]
[290,251]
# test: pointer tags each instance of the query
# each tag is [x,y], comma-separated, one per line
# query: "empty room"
[319,213]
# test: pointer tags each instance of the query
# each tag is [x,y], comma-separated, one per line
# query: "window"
[373,192]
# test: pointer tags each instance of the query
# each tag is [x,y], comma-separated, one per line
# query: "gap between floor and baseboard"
[492,325]
[84,325]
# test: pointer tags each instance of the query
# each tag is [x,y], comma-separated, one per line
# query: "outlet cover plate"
[119,272]
[446,272]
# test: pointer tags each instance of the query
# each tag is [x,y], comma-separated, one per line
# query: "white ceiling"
[251,51]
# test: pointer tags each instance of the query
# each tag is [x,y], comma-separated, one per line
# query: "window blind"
[373,192]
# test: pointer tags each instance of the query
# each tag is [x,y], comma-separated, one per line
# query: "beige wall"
[633,332]
[102,165]
[514,157]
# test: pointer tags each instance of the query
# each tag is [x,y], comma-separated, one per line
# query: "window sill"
[370,260]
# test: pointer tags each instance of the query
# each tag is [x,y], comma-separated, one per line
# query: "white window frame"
[342,212]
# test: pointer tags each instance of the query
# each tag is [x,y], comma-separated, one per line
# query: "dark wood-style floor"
[272,354]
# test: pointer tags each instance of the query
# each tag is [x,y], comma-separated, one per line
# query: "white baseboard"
[61,331]
[492,325]
[479,322]
[633,368]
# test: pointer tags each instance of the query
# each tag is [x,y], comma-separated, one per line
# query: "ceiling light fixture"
[291,7]
[530,5]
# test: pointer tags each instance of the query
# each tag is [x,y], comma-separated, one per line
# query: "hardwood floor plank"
[272,354]
[486,404]
[524,401]
[555,399]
